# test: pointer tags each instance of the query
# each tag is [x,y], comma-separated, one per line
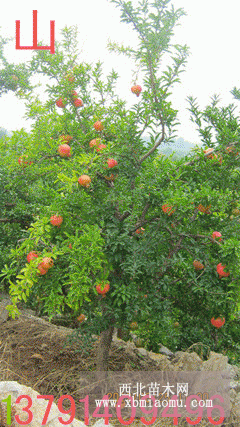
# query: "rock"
[143,351]
[164,363]
[215,362]
[235,385]
[187,362]
[234,371]
[165,350]
[236,406]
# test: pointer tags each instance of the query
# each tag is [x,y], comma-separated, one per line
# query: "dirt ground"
[37,354]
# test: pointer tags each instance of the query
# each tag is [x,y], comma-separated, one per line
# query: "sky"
[210,29]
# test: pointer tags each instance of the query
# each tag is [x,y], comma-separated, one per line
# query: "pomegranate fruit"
[218,323]
[101,147]
[98,126]
[84,180]
[78,102]
[221,272]
[64,150]
[60,103]
[136,89]
[112,163]
[47,263]
[41,270]
[216,234]
[56,220]
[31,256]
[103,288]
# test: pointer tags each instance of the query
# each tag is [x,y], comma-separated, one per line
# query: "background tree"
[134,241]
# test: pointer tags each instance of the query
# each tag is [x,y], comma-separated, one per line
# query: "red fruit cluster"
[84,180]
[56,220]
[216,234]
[168,209]
[221,272]
[218,323]
[103,288]
[112,163]
[60,103]
[136,89]
[31,256]
[78,102]
[64,150]
[44,266]
[101,147]
[98,126]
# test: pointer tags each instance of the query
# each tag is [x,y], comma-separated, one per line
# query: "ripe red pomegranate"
[41,269]
[56,220]
[84,180]
[101,147]
[136,89]
[78,102]
[221,272]
[66,138]
[216,234]
[31,256]
[98,126]
[112,163]
[103,288]
[94,142]
[47,263]
[60,103]
[218,323]
[64,150]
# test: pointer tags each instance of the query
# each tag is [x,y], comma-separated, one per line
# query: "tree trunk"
[104,348]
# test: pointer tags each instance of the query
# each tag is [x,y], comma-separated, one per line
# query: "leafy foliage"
[151,272]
